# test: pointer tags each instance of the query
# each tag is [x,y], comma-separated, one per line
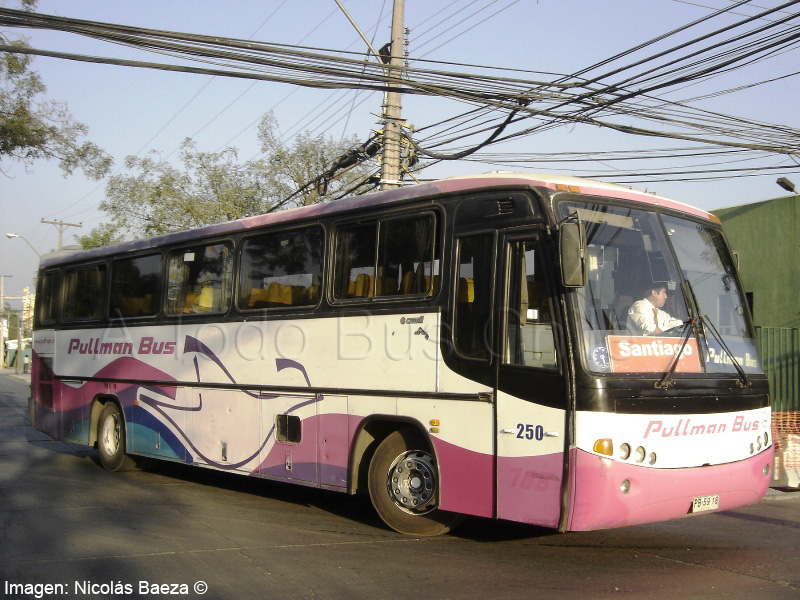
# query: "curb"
[22,377]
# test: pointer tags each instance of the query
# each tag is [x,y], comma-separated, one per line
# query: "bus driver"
[645,316]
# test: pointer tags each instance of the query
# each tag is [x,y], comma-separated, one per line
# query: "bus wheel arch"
[403,481]
[94,416]
[371,432]
[110,435]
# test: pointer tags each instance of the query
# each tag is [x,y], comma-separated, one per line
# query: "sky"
[137,111]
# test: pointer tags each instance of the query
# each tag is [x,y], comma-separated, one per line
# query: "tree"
[213,187]
[292,167]
[31,128]
[158,198]
[104,235]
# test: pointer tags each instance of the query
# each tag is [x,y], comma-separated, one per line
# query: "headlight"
[624,452]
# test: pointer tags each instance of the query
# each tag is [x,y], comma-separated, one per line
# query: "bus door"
[531,391]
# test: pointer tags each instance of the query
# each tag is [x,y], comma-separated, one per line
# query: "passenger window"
[281,270]
[200,280]
[529,329]
[406,262]
[355,262]
[473,306]
[48,300]
[84,293]
[136,286]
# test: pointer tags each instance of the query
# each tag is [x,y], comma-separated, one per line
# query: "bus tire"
[403,486]
[111,439]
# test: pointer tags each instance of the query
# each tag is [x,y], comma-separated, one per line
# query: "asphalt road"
[87,533]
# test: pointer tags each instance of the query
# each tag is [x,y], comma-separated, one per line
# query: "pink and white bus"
[461,347]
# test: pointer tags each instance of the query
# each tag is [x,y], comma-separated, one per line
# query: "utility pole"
[392,122]
[19,357]
[392,103]
[61,226]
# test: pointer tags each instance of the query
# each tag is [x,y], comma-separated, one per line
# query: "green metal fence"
[780,357]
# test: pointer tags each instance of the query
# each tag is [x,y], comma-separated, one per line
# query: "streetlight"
[16,235]
[785,184]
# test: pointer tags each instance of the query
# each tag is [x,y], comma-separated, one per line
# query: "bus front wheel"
[111,439]
[403,486]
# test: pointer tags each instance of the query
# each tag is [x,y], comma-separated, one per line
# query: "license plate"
[702,503]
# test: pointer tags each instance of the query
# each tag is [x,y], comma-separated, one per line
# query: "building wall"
[766,236]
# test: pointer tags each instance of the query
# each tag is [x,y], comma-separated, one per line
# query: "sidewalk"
[782,494]
[12,373]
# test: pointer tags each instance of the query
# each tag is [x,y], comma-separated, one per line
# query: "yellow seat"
[134,306]
[431,289]
[363,288]
[299,295]
[407,283]
[466,290]
[258,296]
[387,286]
[205,301]
[277,293]
[191,301]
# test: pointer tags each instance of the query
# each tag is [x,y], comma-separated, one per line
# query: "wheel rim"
[411,482]
[110,437]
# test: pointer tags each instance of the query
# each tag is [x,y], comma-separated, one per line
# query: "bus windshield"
[659,287]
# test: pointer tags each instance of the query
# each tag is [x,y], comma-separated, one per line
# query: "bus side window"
[200,279]
[48,298]
[529,329]
[136,286]
[355,262]
[84,292]
[406,263]
[282,269]
[473,301]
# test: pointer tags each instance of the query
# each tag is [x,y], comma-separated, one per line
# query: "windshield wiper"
[703,320]
[666,379]
[744,380]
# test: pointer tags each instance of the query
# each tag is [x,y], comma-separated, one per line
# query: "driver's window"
[529,337]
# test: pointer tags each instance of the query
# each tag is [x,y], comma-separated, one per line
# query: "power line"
[597,93]
[565,99]
[501,100]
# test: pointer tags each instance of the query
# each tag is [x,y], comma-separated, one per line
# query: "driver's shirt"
[644,318]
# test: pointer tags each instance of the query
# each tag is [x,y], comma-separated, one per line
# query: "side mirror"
[572,246]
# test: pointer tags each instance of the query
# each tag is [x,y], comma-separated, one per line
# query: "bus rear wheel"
[403,486]
[111,439]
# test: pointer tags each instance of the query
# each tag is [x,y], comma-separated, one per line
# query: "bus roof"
[454,185]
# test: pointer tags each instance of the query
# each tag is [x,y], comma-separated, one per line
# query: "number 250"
[529,432]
